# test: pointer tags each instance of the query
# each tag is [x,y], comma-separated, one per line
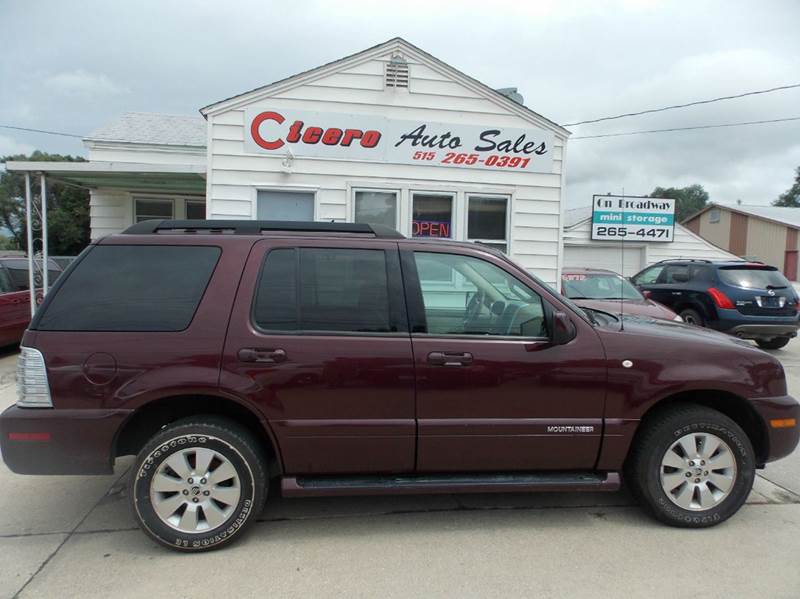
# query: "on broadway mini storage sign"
[370,137]
[627,218]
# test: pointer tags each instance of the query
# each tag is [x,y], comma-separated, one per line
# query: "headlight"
[33,390]
[678,318]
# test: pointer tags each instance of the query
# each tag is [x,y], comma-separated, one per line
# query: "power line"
[41,131]
[793,118]
[697,103]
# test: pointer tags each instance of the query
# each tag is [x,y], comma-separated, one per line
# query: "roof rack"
[257,227]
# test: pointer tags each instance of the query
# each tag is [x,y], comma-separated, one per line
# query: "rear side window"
[132,288]
[324,289]
[18,273]
[752,277]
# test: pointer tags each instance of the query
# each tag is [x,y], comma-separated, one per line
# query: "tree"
[688,200]
[67,208]
[790,197]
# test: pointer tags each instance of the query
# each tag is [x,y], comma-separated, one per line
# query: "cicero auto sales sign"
[368,137]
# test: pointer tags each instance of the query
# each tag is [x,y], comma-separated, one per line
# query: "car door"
[493,392]
[319,340]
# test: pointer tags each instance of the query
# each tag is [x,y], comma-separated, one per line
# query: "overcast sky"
[73,66]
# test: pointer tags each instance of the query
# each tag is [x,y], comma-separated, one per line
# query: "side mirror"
[563,329]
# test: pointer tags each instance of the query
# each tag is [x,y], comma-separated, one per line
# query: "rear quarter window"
[132,288]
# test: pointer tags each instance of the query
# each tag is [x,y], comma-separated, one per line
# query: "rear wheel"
[198,484]
[693,317]
[775,343]
[691,466]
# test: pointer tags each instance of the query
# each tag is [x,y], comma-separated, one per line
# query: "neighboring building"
[581,251]
[390,135]
[764,233]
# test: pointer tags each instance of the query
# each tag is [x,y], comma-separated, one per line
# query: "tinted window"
[323,289]
[18,273]
[479,299]
[675,274]
[752,277]
[132,288]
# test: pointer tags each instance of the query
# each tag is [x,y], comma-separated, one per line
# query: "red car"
[344,359]
[605,290]
[15,307]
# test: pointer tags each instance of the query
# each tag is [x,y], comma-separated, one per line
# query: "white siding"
[109,211]
[235,175]
[685,245]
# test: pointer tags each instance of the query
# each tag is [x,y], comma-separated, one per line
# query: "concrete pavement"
[74,537]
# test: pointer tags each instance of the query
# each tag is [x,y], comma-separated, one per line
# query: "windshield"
[598,287]
[751,277]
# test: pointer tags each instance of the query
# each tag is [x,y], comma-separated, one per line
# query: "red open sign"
[430,228]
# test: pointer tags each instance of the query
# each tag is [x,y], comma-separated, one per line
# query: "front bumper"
[49,441]
[780,441]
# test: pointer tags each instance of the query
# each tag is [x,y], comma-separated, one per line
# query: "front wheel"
[691,466]
[774,343]
[198,484]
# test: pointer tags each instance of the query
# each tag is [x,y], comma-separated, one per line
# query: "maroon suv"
[344,359]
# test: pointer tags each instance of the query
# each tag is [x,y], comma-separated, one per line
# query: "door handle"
[262,356]
[445,358]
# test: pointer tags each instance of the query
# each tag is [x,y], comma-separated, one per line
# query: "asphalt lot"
[73,537]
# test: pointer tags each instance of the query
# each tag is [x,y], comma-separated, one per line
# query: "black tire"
[693,317]
[644,465]
[775,343]
[236,445]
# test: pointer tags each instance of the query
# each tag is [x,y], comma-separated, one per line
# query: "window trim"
[507,197]
[397,306]
[417,320]
[146,198]
[397,195]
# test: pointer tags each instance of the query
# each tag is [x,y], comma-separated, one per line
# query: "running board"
[527,482]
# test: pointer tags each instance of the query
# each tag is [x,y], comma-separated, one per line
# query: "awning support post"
[29,226]
[45,260]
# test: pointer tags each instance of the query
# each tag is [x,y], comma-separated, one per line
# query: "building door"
[790,265]
[285,205]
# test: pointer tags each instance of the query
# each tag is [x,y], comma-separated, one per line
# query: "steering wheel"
[474,307]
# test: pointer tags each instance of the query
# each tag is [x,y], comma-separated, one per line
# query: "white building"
[580,250]
[389,135]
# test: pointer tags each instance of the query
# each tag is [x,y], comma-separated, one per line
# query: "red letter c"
[266,116]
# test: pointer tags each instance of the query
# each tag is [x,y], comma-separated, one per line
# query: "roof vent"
[512,94]
[396,72]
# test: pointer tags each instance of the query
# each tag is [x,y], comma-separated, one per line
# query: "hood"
[644,307]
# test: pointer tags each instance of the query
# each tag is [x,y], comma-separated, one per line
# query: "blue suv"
[748,299]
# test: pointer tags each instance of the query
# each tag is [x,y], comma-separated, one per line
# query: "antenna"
[622,265]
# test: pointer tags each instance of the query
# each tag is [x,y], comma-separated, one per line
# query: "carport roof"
[178,178]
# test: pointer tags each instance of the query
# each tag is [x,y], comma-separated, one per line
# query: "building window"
[375,207]
[487,221]
[196,209]
[713,215]
[285,205]
[153,208]
[432,215]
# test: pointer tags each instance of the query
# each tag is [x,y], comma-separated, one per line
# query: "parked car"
[344,359]
[605,290]
[15,307]
[748,299]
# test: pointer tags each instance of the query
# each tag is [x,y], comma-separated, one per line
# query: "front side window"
[648,276]
[376,207]
[324,289]
[432,215]
[153,208]
[132,288]
[481,299]
[486,221]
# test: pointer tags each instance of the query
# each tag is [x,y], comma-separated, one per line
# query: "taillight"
[722,300]
[33,390]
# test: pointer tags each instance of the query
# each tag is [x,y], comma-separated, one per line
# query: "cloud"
[83,83]
[10,146]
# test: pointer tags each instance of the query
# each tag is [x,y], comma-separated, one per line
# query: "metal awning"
[169,178]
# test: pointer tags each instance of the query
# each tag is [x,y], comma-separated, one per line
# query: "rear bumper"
[781,441]
[755,327]
[52,441]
